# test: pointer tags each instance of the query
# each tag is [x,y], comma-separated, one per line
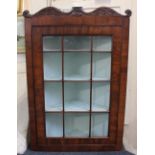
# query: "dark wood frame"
[51,21]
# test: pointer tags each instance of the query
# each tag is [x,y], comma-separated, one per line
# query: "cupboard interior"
[77,72]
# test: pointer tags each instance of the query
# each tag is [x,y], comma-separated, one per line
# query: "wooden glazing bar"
[91,67]
[62,49]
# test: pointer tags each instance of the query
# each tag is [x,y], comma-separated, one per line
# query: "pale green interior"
[52,66]
[77,85]
[53,96]
[76,66]
[102,43]
[99,125]
[100,96]
[54,125]
[77,43]
[77,124]
[51,43]
[101,66]
[77,96]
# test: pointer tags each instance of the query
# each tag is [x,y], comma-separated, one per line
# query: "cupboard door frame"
[39,82]
[50,21]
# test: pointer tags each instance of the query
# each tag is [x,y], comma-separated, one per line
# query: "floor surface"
[28,152]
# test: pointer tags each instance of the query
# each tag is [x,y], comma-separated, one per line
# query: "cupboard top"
[77,11]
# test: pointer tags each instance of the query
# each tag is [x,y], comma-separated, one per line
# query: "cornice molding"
[76,11]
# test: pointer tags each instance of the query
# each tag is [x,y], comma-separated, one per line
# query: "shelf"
[51,43]
[48,81]
[100,79]
[99,124]
[99,108]
[77,106]
[54,125]
[77,111]
[76,124]
[77,43]
[101,66]
[77,66]
[52,66]
[74,106]
[52,51]
[76,96]
[76,78]
[53,96]
[73,50]
[76,133]
[102,43]
[102,51]
[77,50]
[100,96]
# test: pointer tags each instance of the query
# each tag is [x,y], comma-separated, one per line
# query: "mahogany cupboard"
[77,71]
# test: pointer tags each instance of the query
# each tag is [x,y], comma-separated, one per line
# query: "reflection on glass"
[102,43]
[76,124]
[100,96]
[52,66]
[77,66]
[76,43]
[51,43]
[54,125]
[99,125]
[53,96]
[77,96]
[101,66]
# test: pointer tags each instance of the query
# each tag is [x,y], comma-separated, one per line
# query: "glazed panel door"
[77,77]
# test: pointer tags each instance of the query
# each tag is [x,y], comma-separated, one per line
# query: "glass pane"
[77,43]
[53,96]
[51,43]
[100,96]
[52,66]
[102,43]
[54,125]
[101,66]
[76,124]
[77,66]
[77,96]
[99,125]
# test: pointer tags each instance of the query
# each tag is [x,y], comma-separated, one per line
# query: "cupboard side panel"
[115,84]
[30,82]
[39,85]
[123,82]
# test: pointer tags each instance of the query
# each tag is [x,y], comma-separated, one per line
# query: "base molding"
[75,148]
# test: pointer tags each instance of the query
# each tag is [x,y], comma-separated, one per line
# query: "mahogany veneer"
[101,22]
